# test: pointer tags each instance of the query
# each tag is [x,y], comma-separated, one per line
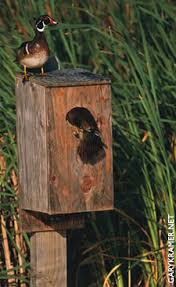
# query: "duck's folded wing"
[23,50]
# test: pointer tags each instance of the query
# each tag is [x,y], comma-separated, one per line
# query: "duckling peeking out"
[91,148]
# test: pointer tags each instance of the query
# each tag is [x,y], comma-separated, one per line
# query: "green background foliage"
[134,43]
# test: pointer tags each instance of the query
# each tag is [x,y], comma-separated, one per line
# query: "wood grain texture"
[75,186]
[40,222]
[32,146]
[49,259]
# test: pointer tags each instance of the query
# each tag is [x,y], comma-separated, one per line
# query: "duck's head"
[44,21]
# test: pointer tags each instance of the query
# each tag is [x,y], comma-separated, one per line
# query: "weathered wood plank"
[39,222]
[68,78]
[49,259]
[75,186]
[32,145]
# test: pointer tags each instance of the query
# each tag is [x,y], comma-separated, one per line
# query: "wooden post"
[49,259]
[62,174]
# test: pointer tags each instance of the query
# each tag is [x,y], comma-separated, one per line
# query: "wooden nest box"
[64,142]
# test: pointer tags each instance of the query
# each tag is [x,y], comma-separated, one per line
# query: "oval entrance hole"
[91,147]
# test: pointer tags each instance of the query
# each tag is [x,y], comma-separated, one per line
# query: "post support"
[49,259]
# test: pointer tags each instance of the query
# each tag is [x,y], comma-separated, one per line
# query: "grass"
[133,42]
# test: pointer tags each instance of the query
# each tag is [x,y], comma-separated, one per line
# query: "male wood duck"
[35,53]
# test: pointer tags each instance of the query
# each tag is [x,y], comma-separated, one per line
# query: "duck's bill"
[53,22]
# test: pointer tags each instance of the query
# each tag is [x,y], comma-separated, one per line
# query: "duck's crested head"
[44,21]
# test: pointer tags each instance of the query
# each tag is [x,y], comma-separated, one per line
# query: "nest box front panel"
[79,146]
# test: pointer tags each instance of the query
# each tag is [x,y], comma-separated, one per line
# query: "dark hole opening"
[91,147]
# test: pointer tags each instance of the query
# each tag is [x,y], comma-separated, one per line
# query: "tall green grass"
[133,42]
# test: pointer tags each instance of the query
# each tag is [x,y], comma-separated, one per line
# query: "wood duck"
[35,53]
[91,148]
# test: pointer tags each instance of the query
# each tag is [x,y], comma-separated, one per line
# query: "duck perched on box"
[35,53]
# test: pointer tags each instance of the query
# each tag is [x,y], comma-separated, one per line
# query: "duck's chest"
[36,55]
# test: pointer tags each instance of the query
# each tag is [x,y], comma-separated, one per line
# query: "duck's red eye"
[47,20]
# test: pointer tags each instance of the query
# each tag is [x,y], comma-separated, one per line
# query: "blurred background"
[134,43]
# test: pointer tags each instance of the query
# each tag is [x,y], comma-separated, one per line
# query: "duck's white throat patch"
[41,29]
